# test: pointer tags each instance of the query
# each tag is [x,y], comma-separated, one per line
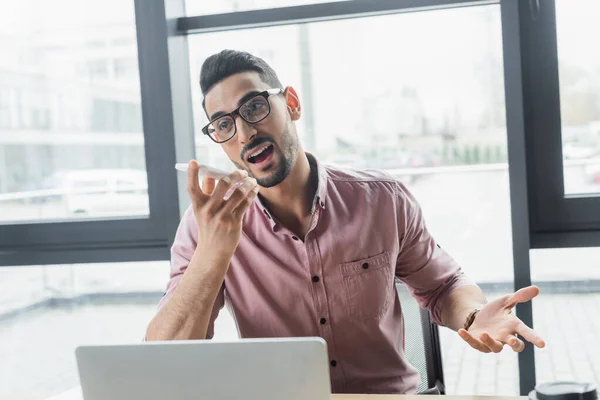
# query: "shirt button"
[295,238]
[333,363]
[365,265]
[316,279]
[322,321]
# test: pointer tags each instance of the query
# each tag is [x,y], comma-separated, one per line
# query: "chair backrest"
[422,343]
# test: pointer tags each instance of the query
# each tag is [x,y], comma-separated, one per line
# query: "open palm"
[497,325]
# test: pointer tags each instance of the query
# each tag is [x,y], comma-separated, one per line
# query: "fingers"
[516,344]
[245,203]
[208,185]
[474,343]
[491,343]
[523,295]
[224,185]
[529,334]
[487,344]
[239,194]
[197,197]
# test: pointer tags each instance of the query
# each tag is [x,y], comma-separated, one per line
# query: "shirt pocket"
[368,286]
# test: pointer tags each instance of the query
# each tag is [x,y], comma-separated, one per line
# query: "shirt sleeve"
[182,251]
[429,273]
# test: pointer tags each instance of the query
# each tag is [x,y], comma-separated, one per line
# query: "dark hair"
[229,62]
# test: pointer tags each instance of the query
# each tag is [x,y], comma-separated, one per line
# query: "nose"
[245,131]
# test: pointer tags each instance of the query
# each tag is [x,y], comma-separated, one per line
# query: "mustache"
[254,144]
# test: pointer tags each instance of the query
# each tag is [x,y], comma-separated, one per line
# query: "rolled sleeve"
[429,273]
[182,251]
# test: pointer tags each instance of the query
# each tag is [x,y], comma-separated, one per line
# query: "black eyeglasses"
[257,108]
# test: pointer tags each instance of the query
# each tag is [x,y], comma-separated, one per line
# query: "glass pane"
[579,69]
[435,119]
[194,7]
[567,314]
[47,311]
[70,111]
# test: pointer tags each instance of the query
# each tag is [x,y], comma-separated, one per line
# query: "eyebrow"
[241,101]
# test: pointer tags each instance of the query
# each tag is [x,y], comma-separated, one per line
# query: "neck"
[291,201]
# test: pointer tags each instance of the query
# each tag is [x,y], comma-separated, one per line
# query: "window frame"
[556,219]
[130,238]
[313,13]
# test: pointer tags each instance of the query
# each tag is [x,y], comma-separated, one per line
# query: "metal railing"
[59,192]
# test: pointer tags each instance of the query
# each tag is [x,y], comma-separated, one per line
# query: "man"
[317,252]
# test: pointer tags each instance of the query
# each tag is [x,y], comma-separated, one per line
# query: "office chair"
[422,343]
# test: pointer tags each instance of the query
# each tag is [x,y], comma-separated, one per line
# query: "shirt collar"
[320,195]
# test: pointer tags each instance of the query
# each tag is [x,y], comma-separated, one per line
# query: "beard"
[288,153]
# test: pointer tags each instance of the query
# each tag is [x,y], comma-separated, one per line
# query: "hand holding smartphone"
[210,172]
[219,208]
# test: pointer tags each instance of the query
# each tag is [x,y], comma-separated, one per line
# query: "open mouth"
[261,154]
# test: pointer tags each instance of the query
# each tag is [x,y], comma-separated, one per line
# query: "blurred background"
[420,95]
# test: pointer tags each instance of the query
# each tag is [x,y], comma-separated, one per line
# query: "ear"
[293,103]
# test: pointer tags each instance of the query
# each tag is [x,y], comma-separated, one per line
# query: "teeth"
[260,150]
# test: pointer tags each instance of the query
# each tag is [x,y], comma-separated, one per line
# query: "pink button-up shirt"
[338,284]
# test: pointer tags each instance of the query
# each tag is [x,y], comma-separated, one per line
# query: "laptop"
[249,369]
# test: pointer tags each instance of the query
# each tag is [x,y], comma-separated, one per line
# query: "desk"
[415,397]
[75,394]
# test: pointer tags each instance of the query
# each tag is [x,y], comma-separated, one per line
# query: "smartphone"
[204,170]
[210,172]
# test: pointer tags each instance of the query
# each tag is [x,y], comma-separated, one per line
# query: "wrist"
[211,266]
[207,270]
[471,318]
[212,255]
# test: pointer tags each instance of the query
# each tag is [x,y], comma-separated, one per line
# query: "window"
[47,311]
[579,73]
[566,313]
[34,193]
[70,126]
[435,119]
[559,74]
[441,109]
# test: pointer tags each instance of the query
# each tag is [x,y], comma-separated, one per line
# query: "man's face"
[269,148]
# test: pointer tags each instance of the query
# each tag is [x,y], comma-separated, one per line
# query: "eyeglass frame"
[266,94]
